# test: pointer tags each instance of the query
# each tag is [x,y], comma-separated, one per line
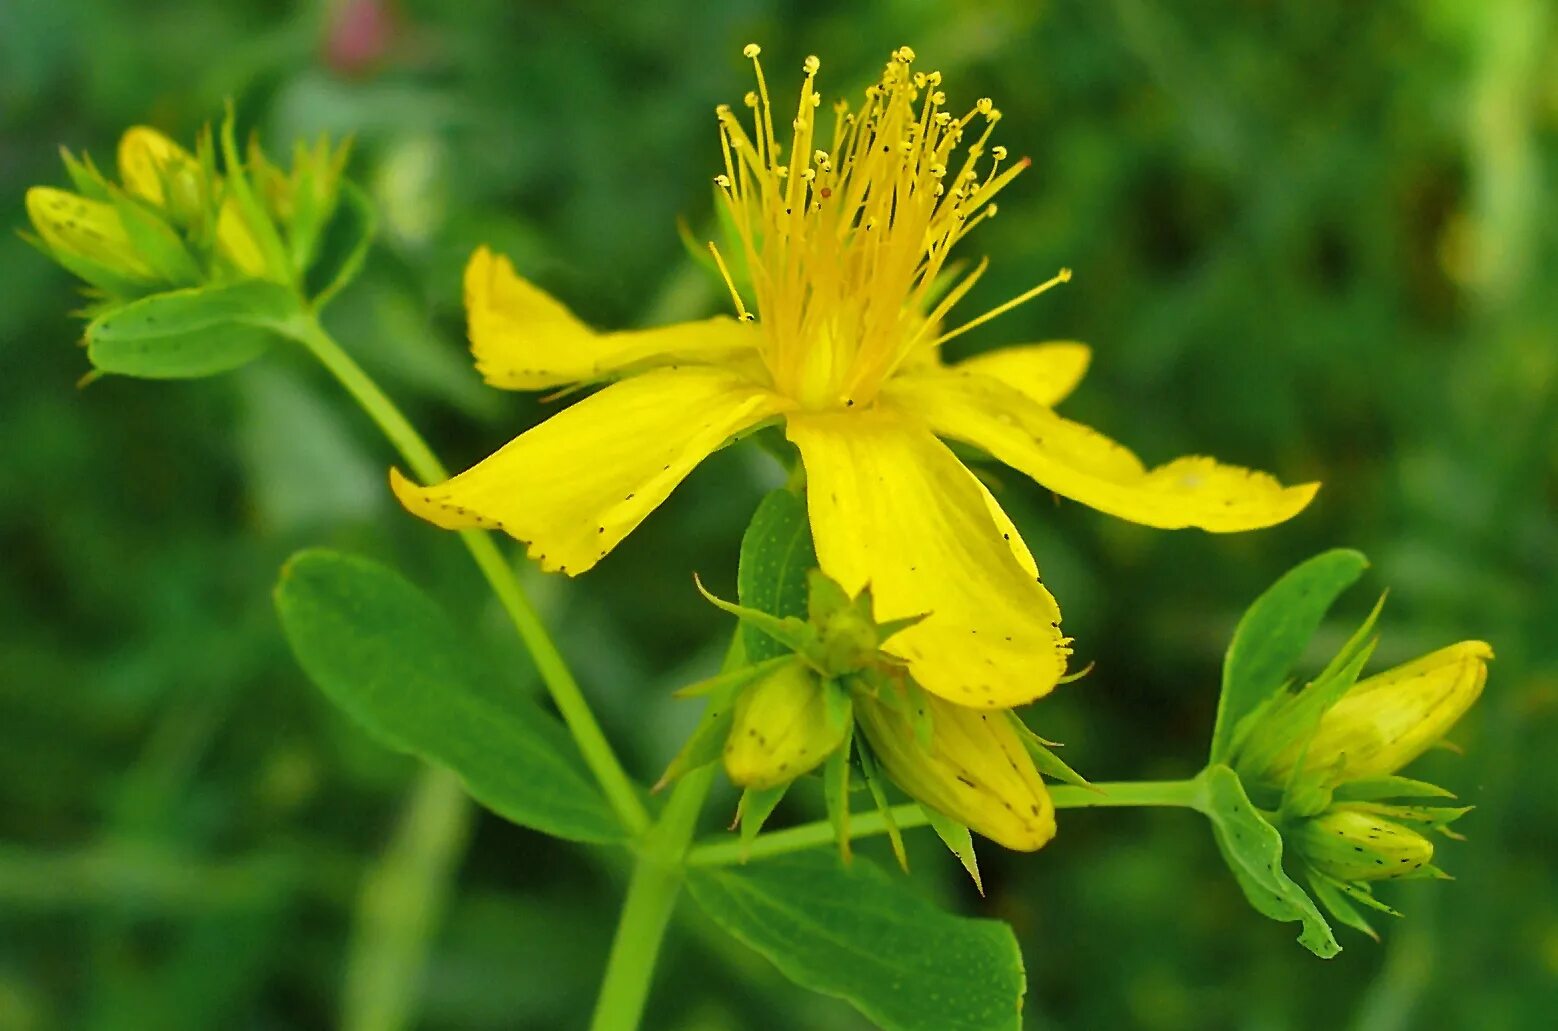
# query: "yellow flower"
[844,238]
[1384,722]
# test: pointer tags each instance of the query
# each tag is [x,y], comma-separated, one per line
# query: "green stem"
[1183,793]
[657,879]
[569,699]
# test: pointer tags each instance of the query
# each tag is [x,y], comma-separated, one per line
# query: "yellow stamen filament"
[845,236]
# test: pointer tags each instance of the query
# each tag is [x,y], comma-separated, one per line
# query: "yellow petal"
[236,242]
[147,157]
[1387,720]
[574,486]
[892,507]
[1082,464]
[974,770]
[76,227]
[524,339]
[1047,373]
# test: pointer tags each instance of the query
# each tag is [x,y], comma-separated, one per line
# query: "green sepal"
[254,214]
[1048,763]
[85,177]
[1373,789]
[958,841]
[1358,891]
[340,253]
[734,678]
[839,706]
[756,806]
[707,739]
[876,785]
[1329,893]
[154,241]
[792,632]
[835,791]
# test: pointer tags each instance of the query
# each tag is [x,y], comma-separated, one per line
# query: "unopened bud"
[781,729]
[1384,722]
[1354,845]
[975,769]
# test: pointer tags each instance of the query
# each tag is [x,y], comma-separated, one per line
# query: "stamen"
[1063,276]
[730,283]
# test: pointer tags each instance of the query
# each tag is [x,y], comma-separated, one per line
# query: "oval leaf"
[776,553]
[183,334]
[1274,632]
[385,653]
[856,933]
[1252,848]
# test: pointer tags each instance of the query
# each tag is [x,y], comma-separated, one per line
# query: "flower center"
[844,238]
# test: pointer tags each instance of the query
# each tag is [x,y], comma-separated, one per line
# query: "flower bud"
[159,171]
[1355,845]
[1386,721]
[87,237]
[975,769]
[781,729]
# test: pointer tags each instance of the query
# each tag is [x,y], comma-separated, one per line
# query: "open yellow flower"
[844,241]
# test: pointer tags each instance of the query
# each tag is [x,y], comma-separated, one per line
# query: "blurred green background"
[1317,239]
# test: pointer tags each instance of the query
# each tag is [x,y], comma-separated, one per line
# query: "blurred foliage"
[1317,239]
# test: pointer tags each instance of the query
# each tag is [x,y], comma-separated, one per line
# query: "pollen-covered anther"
[750,100]
[722,181]
[984,105]
[998,152]
[938,98]
[751,50]
[811,64]
[905,54]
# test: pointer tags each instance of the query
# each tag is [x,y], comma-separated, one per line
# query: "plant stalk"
[597,751]
[727,852]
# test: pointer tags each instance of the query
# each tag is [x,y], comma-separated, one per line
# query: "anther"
[750,100]
[722,180]
[984,105]
[811,64]
[906,54]
[998,152]
[751,50]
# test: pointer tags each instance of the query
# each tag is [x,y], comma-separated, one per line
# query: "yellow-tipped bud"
[1354,845]
[1386,721]
[159,171]
[86,236]
[974,770]
[781,729]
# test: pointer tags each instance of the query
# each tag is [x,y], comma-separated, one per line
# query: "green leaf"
[864,936]
[1273,634]
[182,334]
[1252,848]
[386,654]
[776,554]
[344,247]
